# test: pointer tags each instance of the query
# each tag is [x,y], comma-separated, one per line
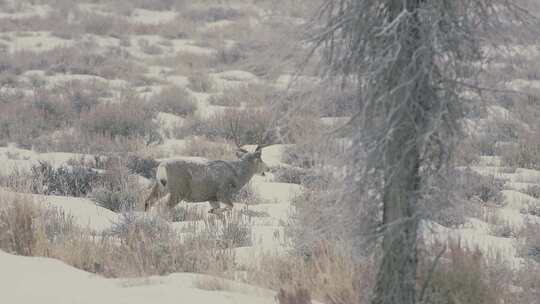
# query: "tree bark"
[396,279]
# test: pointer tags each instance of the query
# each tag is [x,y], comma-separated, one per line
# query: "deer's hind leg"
[174,199]
[152,197]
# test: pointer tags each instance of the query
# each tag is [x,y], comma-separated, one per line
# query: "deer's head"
[255,159]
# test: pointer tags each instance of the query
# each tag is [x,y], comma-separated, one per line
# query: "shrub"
[248,196]
[174,100]
[276,42]
[241,126]
[330,275]
[298,295]
[230,55]
[213,13]
[145,167]
[148,245]
[230,233]
[187,213]
[129,119]
[299,156]
[100,24]
[472,185]
[55,113]
[17,227]
[523,155]
[211,283]
[188,63]
[251,95]
[117,201]
[462,278]
[136,246]
[149,49]
[532,241]
[24,227]
[158,5]
[70,181]
[76,141]
[289,174]
[300,128]
[533,191]
[82,96]
[201,82]
[202,147]
[55,224]
[86,59]
[21,122]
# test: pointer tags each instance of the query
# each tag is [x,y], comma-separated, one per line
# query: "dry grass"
[524,154]
[329,275]
[296,295]
[137,246]
[532,241]
[240,126]
[174,100]
[129,119]
[200,81]
[464,276]
[202,147]
[211,283]
[187,63]
[249,95]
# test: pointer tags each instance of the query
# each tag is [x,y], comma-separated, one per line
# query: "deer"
[203,180]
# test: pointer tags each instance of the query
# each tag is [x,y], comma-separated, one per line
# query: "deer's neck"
[245,171]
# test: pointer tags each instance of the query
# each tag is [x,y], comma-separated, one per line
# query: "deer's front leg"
[215,207]
[225,196]
[174,199]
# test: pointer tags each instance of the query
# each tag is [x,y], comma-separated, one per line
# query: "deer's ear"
[240,153]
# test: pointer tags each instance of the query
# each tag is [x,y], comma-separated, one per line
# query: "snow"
[237,75]
[527,176]
[150,17]
[521,187]
[524,84]
[281,193]
[35,41]
[13,159]
[170,147]
[334,121]
[271,155]
[518,201]
[188,46]
[26,11]
[284,81]
[232,79]
[490,161]
[472,239]
[178,80]
[43,280]
[498,113]
[168,122]
[216,25]
[84,211]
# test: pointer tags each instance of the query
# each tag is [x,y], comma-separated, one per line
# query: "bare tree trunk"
[396,280]
[407,56]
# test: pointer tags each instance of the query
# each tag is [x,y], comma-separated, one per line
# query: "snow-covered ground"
[29,280]
[33,280]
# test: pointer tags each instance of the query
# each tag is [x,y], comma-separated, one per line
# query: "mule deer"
[199,181]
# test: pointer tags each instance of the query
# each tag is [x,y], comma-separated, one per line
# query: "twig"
[430,274]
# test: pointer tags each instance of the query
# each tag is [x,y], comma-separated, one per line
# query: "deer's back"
[197,181]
